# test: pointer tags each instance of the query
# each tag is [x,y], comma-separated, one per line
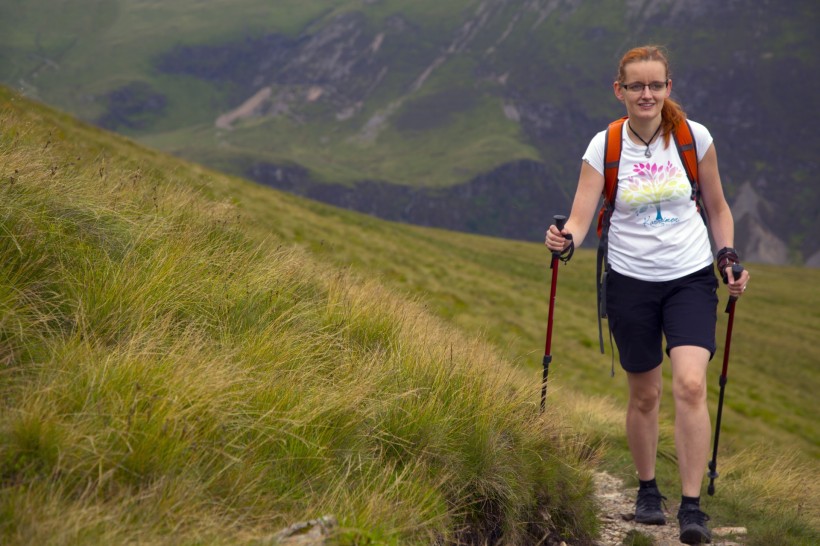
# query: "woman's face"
[635,91]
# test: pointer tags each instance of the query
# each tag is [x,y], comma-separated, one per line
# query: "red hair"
[672,113]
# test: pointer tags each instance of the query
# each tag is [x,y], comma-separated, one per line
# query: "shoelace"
[692,515]
[650,500]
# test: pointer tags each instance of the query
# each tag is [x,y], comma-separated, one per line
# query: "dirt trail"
[618,507]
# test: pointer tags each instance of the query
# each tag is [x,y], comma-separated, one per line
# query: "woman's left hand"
[739,286]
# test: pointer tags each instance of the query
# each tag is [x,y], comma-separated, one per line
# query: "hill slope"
[464,114]
[159,324]
[168,376]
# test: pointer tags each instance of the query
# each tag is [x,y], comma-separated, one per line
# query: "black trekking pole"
[556,255]
[737,269]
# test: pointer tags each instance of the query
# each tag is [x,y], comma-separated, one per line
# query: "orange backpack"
[612,160]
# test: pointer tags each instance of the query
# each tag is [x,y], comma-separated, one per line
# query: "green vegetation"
[50,61]
[636,538]
[190,358]
[171,377]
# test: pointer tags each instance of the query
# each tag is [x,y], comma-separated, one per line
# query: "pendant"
[647,153]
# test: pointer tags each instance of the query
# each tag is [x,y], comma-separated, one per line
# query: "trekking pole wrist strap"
[726,256]
[567,253]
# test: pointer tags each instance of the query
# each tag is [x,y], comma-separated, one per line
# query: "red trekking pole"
[737,269]
[556,255]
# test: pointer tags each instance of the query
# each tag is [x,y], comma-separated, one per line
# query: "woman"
[661,280]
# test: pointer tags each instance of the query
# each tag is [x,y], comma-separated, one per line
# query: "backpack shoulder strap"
[687,150]
[612,157]
[612,160]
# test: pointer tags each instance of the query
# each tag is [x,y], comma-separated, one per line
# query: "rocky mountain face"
[373,69]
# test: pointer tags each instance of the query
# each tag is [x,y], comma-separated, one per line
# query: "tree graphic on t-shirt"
[652,184]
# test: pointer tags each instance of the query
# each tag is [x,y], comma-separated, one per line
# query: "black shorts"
[640,313]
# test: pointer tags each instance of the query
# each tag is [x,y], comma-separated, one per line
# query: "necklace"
[647,153]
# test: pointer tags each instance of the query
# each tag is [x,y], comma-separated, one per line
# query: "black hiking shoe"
[693,528]
[648,507]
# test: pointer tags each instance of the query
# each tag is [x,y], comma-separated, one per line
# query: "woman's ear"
[618,90]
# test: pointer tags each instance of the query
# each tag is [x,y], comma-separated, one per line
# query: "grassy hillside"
[192,358]
[168,376]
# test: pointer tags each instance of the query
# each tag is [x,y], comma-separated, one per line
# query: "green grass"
[418,158]
[473,142]
[188,357]
[170,375]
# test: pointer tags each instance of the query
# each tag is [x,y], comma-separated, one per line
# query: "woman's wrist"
[726,257]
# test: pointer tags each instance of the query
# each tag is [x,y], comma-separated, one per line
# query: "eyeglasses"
[654,87]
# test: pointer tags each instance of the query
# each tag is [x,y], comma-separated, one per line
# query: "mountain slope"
[340,97]
[169,375]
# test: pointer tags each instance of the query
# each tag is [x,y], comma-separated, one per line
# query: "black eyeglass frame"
[633,87]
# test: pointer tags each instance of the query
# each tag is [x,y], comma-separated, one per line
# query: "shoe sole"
[657,520]
[694,536]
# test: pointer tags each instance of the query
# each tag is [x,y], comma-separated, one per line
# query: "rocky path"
[617,520]
[617,504]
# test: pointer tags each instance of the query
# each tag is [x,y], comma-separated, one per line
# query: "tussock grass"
[168,378]
[774,490]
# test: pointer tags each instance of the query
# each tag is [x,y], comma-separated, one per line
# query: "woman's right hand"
[556,240]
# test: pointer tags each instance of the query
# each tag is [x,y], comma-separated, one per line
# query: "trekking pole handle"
[737,270]
[560,221]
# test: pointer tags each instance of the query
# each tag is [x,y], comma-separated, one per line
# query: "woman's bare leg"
[642,420]
[693,428]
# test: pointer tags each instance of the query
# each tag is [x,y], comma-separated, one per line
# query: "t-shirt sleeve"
[595,152]
[703,138]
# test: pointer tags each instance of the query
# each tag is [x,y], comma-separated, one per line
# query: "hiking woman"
[660,275]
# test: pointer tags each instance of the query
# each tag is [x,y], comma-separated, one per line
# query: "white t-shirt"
[656,232]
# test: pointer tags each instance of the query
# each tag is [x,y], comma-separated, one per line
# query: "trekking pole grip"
[561,221]
[737,270]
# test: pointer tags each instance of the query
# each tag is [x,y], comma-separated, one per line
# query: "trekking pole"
[556,255]
[737,269]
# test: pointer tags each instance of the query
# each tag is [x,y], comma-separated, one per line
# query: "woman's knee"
[645,396]
[689,365]
[690,390]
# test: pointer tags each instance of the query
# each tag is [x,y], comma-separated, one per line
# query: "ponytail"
[671,116]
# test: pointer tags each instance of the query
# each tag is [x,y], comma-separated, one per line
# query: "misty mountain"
[469,115]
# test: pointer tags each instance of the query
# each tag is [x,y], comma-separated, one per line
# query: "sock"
[647,484]
[692,501]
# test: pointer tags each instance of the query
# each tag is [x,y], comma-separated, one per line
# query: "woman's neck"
[646,129]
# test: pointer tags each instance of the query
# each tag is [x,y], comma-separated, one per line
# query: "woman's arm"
[720,217]
[584,206]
